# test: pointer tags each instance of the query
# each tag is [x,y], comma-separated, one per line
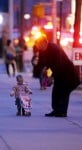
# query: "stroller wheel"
[28,114]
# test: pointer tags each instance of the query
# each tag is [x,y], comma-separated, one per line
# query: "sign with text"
[77,56]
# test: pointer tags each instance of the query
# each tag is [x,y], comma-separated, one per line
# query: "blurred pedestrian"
[43,79]
[66,78]
[26,56]
[35,63]
[19,46]
[9,57]
[46,79]
[22,92]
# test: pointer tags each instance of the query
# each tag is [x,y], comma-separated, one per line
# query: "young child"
[22,94]
[45,78]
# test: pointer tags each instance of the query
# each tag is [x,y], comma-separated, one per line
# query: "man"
[66,78]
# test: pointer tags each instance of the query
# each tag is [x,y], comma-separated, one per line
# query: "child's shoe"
[23,112]
[19,112]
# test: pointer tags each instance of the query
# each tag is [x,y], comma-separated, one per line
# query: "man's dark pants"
[60,100]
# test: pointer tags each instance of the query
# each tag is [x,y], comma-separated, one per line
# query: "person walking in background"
[46,79]
[22,92]
[35,63]
[9,57]
[66,78]
[25,58]
[43,79]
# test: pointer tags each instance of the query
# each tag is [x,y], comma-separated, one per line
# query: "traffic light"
[38,10]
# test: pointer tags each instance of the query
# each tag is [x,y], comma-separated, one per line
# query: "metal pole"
[60,20]
[54,19]
[11,19]
[22,19]
[60,28]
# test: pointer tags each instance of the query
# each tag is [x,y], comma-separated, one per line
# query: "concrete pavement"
[38,132]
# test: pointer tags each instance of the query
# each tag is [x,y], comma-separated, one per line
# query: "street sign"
[77,56]
[38,10]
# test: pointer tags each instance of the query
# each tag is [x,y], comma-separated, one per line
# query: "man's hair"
[42,38]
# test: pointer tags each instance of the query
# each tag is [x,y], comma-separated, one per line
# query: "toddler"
[22,93]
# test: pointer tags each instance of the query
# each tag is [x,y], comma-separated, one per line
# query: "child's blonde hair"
[19,77]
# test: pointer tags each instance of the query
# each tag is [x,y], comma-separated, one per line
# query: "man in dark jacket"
[66,78]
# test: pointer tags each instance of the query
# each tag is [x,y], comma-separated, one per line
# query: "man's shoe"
[51,114]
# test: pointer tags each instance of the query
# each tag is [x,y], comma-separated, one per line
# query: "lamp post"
[11,19]
[27,18]
[54,19]
[60,15]
[60,18]
[22,19]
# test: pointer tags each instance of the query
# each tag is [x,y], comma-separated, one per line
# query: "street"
[38,132]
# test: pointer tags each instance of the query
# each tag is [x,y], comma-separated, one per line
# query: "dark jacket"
[66,78]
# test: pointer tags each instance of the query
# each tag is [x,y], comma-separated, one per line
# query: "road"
[38,132]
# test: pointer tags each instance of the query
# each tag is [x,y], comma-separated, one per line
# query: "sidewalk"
[38,132]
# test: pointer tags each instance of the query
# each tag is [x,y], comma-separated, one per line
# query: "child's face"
[19,81]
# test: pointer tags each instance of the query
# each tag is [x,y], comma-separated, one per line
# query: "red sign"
[77,56]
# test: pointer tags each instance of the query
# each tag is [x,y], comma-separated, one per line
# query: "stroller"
[26,105]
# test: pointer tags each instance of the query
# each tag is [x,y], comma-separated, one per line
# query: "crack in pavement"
[75,123]
[3,144]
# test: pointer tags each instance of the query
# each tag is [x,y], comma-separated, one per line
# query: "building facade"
[28,8]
